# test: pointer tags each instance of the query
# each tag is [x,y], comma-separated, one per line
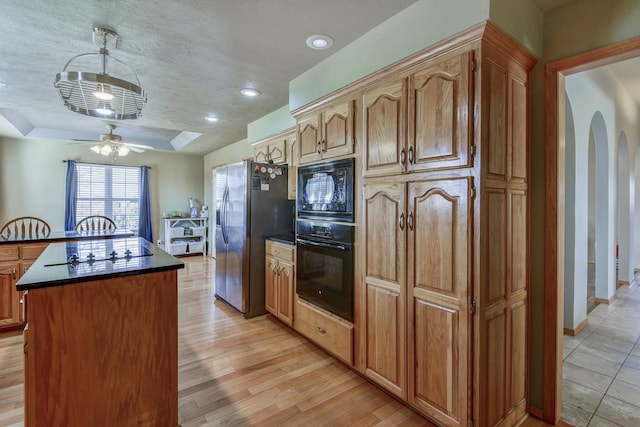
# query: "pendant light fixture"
[101,94]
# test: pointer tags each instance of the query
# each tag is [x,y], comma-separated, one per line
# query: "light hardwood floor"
[239,372]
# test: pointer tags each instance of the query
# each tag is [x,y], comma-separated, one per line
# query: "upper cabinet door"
[261,153]
[278,151]
[440,115]
[309,138]
[337,129]
[385,113]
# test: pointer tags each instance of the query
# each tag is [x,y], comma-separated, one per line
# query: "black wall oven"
[325,191]
[325,266]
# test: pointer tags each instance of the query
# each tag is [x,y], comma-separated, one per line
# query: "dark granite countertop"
[55,266]
[55,236]
[289,239]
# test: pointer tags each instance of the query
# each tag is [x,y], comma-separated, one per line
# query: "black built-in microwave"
[325,191]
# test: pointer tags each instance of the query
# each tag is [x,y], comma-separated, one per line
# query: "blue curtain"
[71,196]
[144,218]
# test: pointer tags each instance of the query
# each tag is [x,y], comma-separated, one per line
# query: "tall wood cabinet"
[443,316]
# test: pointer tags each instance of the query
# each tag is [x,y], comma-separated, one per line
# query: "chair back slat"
[26,226]
[96,223]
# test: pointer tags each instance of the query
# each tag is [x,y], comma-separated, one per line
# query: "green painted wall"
[32,179]
[272,123]
[420,25]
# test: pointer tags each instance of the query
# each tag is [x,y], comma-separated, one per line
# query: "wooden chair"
[96,223]
[26,225]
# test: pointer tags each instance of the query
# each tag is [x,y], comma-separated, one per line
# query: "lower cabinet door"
[438,284]
[286,276]
[10,312]
[385,286]
[271,285]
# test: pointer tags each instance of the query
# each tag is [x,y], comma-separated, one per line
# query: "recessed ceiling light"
[2,84]
[250,92]
[319,41]
[211,118]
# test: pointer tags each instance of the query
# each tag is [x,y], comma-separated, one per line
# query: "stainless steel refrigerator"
[251,204]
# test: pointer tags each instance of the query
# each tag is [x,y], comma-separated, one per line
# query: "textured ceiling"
[191,56]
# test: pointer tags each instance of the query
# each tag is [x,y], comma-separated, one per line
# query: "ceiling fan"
[112,145]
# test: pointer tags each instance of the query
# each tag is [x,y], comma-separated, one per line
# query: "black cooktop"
[81,261]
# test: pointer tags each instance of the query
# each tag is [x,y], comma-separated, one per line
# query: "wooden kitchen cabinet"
[280,280]
[326,133]
[271,151]
[280,149]
[385,122]
[385,286]
[420,121]
[418,296]
[444,225]
[330,332]
[439,243]
[15,259]
[10,312]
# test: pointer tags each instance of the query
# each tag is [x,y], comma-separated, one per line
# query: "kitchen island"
[101,339]
[19,251]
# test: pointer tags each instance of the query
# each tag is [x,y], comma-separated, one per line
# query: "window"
[112,191]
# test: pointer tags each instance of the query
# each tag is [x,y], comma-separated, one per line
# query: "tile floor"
[601,369]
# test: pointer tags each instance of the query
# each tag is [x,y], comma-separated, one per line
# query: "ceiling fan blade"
[84,141]
[134,149]
[141,146]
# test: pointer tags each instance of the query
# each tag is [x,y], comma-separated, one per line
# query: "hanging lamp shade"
[100,94]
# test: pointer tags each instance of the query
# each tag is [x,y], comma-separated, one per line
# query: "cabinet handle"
[402,157]
[410,221]
[14,272]
[401,222]
[411,155]
[324,145]
[319,329]
[319,145]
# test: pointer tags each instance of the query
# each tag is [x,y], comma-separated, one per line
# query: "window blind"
[112,191]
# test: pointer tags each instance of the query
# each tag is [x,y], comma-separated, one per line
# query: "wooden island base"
[103,353]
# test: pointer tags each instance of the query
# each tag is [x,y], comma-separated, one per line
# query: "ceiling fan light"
[96,148]
[103,92]
[123,150]
[106,150]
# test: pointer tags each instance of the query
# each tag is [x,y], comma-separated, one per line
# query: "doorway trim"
[555,73]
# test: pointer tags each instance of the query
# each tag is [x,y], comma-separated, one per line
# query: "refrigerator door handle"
[223,220]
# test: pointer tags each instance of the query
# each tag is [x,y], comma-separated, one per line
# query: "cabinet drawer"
[9,253]
[331,333]
[32,251]
[280,250]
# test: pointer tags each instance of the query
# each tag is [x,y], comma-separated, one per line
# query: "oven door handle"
[322,245]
